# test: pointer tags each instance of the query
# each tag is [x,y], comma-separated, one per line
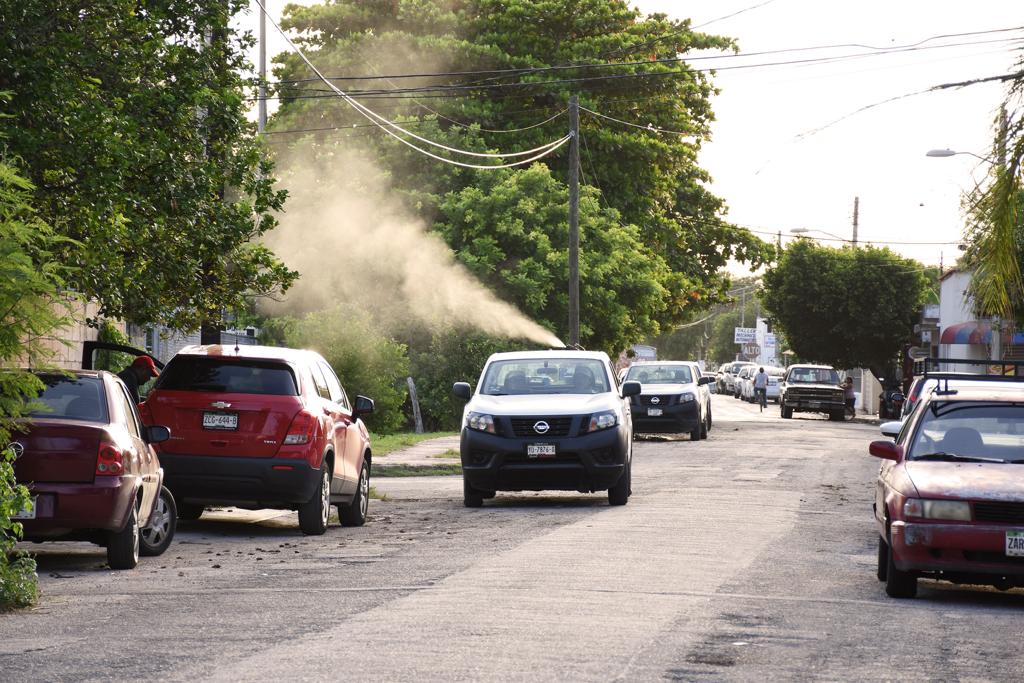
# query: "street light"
[802,231]
[950,153]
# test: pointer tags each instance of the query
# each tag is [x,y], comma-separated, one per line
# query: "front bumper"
[681,417]
[956,552]
[804,405]
[586,463]
[244,482]
[78,509]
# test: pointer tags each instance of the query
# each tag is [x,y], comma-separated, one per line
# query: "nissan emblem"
[541,427]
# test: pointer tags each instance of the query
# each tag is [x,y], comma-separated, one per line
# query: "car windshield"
[201,373]
[979,431]
[651,373]
[813,376]
[545,376]
[71,398]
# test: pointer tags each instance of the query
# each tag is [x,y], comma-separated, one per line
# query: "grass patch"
[450,453]
[416,470]
[382,444]
[375,495]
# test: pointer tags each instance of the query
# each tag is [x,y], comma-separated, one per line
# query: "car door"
[338,421]
[144,464]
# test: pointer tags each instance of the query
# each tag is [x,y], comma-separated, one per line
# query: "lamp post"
[942,153]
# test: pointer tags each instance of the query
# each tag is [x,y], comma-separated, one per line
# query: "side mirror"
[462,390]
[364,406]
[706,380]
[157,434]
[631,388]
[891,429]
[886,450]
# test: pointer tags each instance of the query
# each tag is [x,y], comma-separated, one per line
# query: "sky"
[789,149]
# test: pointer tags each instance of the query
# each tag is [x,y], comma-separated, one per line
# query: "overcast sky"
[776,173]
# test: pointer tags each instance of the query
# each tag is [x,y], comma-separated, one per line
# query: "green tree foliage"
[130,120]
[31,309]
[650,179]
[511,228]
[366,361]
[849,307]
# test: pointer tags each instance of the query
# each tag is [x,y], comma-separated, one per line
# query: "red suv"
[262,427]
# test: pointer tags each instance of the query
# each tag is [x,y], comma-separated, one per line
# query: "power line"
[648,127]
[371,116]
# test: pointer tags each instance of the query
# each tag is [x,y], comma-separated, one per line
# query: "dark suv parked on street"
[262,427]
[812,389]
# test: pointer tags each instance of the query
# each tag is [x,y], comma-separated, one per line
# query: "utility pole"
[996,348]
[261,117]
[574,221]
[856,218]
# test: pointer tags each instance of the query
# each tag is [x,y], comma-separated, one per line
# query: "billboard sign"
[744,335]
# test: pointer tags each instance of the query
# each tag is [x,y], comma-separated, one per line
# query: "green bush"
[113,361]
[453,356]
[367,361]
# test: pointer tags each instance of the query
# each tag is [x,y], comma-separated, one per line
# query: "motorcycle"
[890,404]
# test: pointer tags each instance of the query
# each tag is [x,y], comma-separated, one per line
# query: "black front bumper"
[803,405]
[244,482]
[681,417]
[586,463]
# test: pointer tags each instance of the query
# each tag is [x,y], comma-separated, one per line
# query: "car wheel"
[123,545]
[471,498]
[709,417]
[704,426]
[190,511]
[837,415]
[354,514]
[883,559]
[619,494]
[695,434]
[159,533]
[898,584]
[314,512]
[787,413]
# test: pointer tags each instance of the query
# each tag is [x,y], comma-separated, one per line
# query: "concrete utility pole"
[856,218]
[261,119]
[574,221]
[996,347]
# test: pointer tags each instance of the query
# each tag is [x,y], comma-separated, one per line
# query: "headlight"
[959,510]
[480,422]
[603,420]
[686,398]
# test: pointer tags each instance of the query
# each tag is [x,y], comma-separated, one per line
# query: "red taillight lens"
[109,461]
[301,430]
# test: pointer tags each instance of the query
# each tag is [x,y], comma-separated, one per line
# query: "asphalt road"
[749,556]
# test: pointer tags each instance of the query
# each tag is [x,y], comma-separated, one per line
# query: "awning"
[970,332]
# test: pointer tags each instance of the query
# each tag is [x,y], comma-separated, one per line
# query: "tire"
[709,417]
[313,514]
[883,559]
[190,511]
[695,434]
[787,413]
[354,514]
[123,545]
[898,584]
[704,426]
[158,534]
[471,498]
[619,494]
[837,415]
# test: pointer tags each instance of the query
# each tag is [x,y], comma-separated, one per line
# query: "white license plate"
[814,404]
[29,513]
[540,450]
[220,421]
[654,412]
[1015,543]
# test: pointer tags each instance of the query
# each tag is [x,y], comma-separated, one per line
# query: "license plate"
[220,421]
[540,450]
[814,404]
[29,513]
[1015,543]
[653,412]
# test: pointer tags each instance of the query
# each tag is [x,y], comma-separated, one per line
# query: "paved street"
[748,556]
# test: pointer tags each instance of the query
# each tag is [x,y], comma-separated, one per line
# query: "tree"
[30,280]
[848,307]
[651,179]
[130,121]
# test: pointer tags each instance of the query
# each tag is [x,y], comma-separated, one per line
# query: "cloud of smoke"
[352,242]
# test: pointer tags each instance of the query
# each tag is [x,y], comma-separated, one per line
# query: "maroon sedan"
[92,474]
[949,500]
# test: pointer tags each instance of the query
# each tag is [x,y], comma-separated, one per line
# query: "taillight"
[109,461]
[301,430]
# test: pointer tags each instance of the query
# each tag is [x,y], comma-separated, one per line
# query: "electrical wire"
[648,127]
[538,153]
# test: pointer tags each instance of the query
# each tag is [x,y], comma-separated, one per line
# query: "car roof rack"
[991,370]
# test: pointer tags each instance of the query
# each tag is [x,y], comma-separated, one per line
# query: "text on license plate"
[220,420]
[653,412]
[28,513]
[1015,543]
[540,450]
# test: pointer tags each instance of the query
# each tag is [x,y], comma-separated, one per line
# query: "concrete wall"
[65,344]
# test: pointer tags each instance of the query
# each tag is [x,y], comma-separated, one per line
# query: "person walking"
[138,373]
[850,397]
[761,388]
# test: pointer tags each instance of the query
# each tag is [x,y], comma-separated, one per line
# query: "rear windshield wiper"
[956,456]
